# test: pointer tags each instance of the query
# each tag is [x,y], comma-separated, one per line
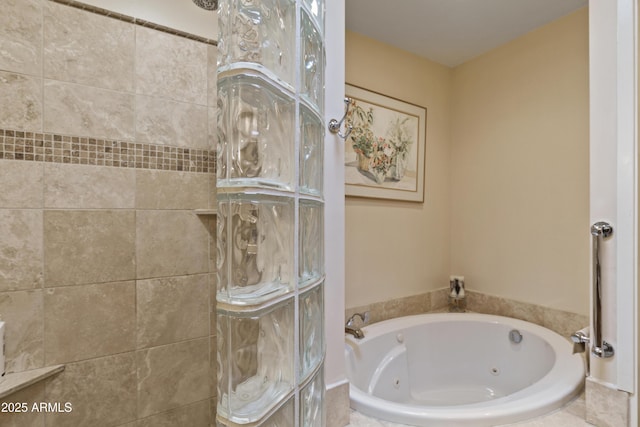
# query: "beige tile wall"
[111,66]
[106,148]
[73,109]
[171,309]
[22,252]
[170,67]
[606,406]
[21,35]
[34,393]
[21,98]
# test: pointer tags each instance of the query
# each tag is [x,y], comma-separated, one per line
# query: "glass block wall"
[270,226]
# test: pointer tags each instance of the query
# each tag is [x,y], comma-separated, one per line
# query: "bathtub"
[460,369]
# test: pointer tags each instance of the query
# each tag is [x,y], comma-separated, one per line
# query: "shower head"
[207,4]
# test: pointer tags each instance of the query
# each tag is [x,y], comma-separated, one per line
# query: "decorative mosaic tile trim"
[54,148]
[137,21]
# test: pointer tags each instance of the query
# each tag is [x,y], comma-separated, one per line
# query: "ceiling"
[451,32]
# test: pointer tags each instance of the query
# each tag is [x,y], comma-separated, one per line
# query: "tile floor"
[571,415]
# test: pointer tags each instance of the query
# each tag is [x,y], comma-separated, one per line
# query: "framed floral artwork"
[384,153]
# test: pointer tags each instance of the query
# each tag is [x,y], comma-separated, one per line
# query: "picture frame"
[385,150]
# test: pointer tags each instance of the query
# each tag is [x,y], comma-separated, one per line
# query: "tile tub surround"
[562,322]
[406,306]
[104,266]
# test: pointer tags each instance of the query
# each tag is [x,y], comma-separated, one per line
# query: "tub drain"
[494,371]
[396,383]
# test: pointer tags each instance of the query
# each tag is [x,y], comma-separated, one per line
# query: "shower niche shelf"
[17,381]
[205,212]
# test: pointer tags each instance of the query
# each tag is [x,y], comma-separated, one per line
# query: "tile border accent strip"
[55,148]
[137,21]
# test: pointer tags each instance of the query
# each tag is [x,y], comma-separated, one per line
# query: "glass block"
[283,417]
[256,139]
[311,245]
[222,278]
[311,152]
[255,361]
[316,10]
[312,408]
[312,64]
[311,314]
[259,35]
[254,247]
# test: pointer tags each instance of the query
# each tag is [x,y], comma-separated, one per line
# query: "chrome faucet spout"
[356,332]
[349,327]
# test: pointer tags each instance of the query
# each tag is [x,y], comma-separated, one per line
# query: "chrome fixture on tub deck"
[457,301]
[580,339]
[349,327]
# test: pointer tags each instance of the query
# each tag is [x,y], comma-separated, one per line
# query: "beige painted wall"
[396,249]
[507,173]
[520,168]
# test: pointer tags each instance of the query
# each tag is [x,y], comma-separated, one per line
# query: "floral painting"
[384,153]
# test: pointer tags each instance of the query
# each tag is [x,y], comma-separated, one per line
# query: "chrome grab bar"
[599,347]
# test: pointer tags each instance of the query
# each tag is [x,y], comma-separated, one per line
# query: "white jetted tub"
[460,369]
